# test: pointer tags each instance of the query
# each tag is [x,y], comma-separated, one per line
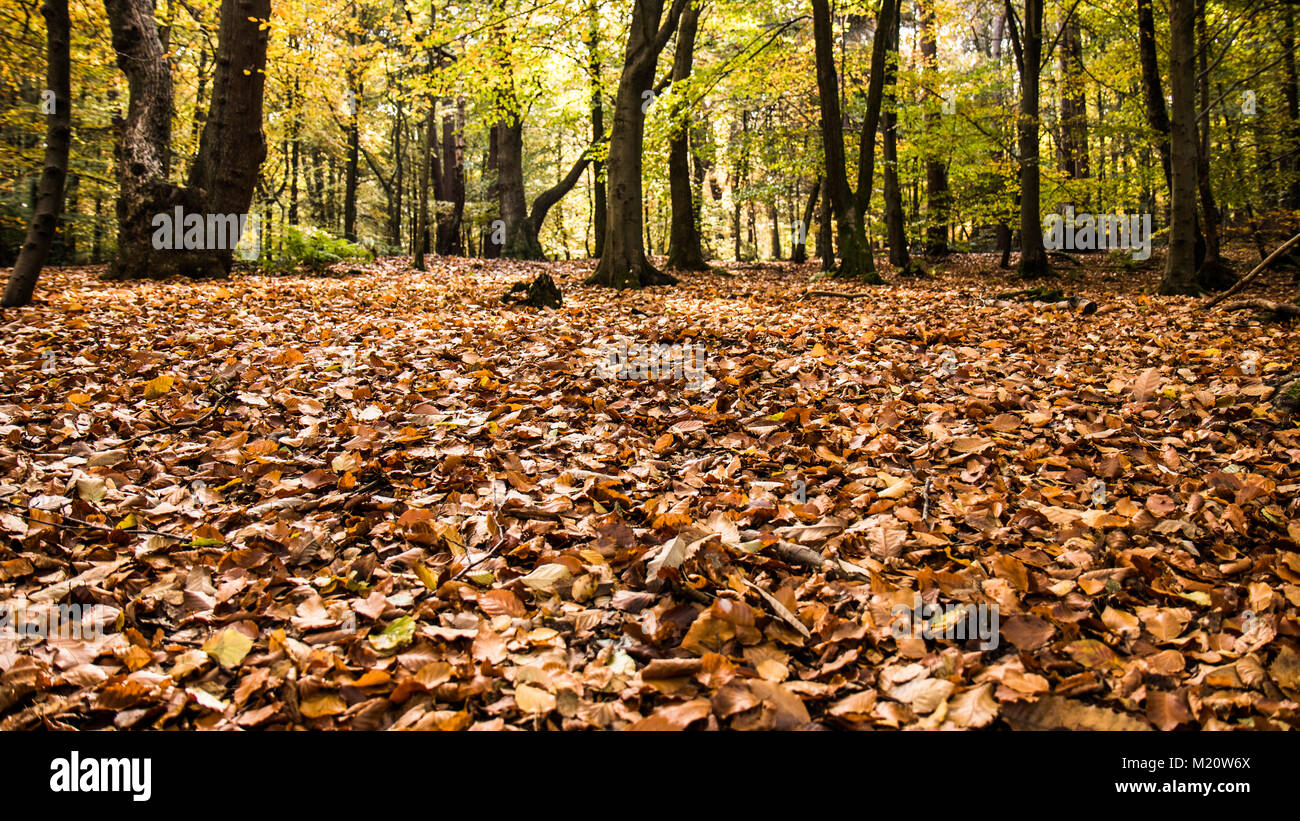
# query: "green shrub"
[316,249]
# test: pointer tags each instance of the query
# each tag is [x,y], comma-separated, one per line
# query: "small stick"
[1259,269]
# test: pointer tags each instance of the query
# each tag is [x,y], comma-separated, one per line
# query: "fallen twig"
[1259,269]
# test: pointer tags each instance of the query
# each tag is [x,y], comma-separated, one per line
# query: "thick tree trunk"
[453,180]
[231,148]
[1074,106]
[521,238]
[58,140]
[144,144]
[1180,275]
[936,174]
[624,263]
[685,249]
[1157,115]
[1215,275]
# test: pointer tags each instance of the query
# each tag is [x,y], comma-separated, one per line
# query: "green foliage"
[315,249]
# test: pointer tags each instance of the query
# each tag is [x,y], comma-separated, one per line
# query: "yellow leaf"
[322,704]
[78,398]
[427,576]
[157,387]
[228,647]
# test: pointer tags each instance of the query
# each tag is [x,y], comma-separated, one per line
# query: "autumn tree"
[624,263]
[849,208]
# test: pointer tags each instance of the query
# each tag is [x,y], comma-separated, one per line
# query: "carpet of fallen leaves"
[385,500]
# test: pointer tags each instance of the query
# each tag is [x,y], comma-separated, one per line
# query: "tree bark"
[231,147]
[58,139]
[854,250]
[1029,52]
[453,180]
[1074,106]
[1292,93]
[354,158]
[422,215]
[895,221]
[1180,275]
[624,263]
[685,249]
[799,253]
[1214,273]
[521,239]
[594,68]
[938,200]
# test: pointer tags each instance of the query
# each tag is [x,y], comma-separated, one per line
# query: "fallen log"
[1279,310]
[1044,294]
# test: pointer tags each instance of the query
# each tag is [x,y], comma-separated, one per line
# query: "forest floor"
[386,500]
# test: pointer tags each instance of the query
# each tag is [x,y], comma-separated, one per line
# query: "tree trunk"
[1292,93]
[231,148]
[58,140]
[895,221]
[398,186]
[1033,255]
[1180,275]
[936,174]
[799,253]
[854,250]
[623,263]
[685,250]
[825,230]
[521,238]
[1074,106]
[490,248]
[1157,116]
[551,196]
[354,158]
[453,180]
[1214,275]
[422,215]
[597,127]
